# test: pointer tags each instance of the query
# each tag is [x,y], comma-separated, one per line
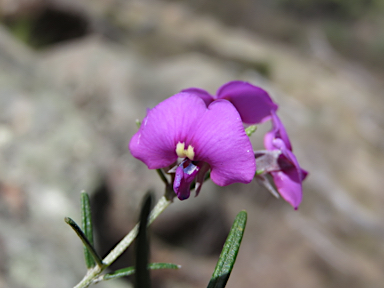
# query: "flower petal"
[253,103]
[208,98]
[289,179]
[184,176]
[278,132]
[288,184]
[220,140]
[168,123]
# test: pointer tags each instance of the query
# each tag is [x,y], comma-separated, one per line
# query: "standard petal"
[220,141]
[208,98]
[164,126]
[253,103]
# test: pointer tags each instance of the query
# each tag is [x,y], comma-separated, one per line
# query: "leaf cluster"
[142,267]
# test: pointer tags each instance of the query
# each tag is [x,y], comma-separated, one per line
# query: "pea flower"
[255,106]
[286,171]
[253,103]
[195,136]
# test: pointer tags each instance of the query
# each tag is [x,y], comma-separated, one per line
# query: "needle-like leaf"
[229,253]
[86,220]
[85,241]
[142,275]
[131,270]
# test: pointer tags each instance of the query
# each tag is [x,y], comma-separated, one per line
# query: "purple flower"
[288,176]
[182,130]
[253,103]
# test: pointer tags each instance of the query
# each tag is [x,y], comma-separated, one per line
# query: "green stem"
[123,245]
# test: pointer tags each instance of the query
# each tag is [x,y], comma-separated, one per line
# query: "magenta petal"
[288,183]
[289,179]
[280,131]
[164,126]
[269,137]
[253,103]
[277,133]
[304,174]
[220,141]
[184,176]
[208,98]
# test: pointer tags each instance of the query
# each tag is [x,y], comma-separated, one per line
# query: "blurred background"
[74,76]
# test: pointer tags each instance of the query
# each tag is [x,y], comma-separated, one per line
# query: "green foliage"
[229,253]
[96,265]
[85,241]
[131,270]
[86,220]
[142,276]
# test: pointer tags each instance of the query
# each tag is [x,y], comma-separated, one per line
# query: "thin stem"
[163,203]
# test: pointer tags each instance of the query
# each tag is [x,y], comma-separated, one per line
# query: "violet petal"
[220,141]
[208,98]
[184,176]
[164,126]
[253,103]
[289,179]
[278,132]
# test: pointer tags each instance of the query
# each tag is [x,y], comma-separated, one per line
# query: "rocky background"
[74,76]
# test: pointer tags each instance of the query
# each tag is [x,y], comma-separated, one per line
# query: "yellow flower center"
[183,153]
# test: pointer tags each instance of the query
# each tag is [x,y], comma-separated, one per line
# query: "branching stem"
[123,245]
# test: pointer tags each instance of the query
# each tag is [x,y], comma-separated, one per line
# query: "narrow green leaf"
[156,266]
[131,270]
[250,130]
[120,273]
[229,253]
[85,241]
[86,220]
[142,276]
